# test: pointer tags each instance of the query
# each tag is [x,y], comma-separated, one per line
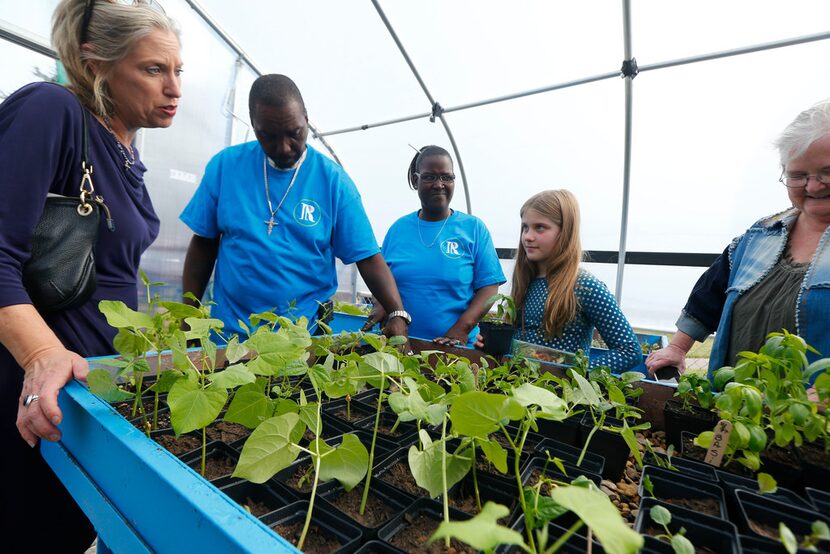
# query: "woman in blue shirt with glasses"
[444,261]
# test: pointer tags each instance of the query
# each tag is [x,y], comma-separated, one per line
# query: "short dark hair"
[415,164]
[274,90]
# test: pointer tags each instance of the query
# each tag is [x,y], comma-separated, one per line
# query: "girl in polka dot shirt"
[560,303]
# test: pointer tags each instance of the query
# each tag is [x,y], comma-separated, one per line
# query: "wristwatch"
[403,314]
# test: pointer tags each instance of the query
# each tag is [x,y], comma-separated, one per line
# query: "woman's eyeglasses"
[432,177]
[90,6]
[800,181]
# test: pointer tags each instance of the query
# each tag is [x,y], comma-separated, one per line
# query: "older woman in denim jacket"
[777,274]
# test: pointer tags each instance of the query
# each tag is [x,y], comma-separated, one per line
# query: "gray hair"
[808,127]
[113,30]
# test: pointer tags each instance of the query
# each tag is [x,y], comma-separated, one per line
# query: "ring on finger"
[29,399]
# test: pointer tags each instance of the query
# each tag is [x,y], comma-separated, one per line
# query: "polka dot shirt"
[597,308]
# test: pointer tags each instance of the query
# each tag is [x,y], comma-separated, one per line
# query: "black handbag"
[60,274]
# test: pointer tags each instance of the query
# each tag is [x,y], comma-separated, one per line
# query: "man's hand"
[378,315]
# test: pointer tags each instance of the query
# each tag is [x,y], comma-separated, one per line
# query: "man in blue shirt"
[272,215]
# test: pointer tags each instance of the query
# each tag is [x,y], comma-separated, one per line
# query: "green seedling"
[679,543]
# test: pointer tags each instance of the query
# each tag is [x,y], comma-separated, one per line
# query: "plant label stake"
[714,455]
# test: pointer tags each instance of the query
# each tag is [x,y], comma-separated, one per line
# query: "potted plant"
[498,328]
[690,409]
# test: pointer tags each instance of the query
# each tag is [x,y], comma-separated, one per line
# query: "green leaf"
[659,515]
[232,377]
[477,414]
[166,381]
[426,465]
[495,453]
[541,509]
[723,376]
[596,510]
[192,407]
[129,344]
[648,485]
[787,538]
[682,545]
[250,406]
[589,395]
[767,483]
[179,310]
[820,530]
[102,384]
[550,405]
[409,405]
[235,351]
[268,450]
[200,328]
[631,441]
[348,463]
[120,316]
[482,532]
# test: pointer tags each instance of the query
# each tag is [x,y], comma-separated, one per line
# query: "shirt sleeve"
[40,129]
[353,237]
[486,269]
[701,314]
[200,214]
[602,310]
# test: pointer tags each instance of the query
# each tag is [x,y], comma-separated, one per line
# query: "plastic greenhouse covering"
[717,82]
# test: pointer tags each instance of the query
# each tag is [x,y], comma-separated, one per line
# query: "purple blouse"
[40,152]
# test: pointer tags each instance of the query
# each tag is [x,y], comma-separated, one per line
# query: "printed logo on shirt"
[452,248]
[307,213]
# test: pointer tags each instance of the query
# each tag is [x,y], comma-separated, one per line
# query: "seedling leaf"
[481,532]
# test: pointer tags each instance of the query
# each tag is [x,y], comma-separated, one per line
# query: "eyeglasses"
[800,181]
[90,5]
[432,177]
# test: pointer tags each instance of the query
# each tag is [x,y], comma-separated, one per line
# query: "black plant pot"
[259,500]
[677,489]
[757,545]
[783,465]
[566,431]
[576,544]
[484,466]
[820,499]
[816,465]
[378,547]
[570,455]
[691,468]
[760,516]
[498,338]
[730,483]
[214,451]
[381,496]
[678,420]
[607,444]
[326,524]
[490,489]
[406,433]
[395,532]
[693,452]
[356,409]
[384,471]
[531,440]
[703,531]
[549,469]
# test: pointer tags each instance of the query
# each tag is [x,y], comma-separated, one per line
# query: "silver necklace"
[436,236]
[129,161]
[271,222]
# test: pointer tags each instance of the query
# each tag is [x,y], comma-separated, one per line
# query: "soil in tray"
[257,509]
[226,431]
[355,414]
[178,445]
[126,408]
[162,421]
[215,468]
[377,511]
[654,531]
[813,453]
[400,476]
[316,540]
[302,479]
[709,506]
[694,452]
[419,529]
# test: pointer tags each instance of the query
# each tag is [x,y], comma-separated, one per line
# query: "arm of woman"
[48,366]
[700,316]
[604,312]
[460,331]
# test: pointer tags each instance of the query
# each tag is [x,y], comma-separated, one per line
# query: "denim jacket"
[745,263]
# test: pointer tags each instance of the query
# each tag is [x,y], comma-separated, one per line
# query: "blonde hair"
[561,207]
[112,32]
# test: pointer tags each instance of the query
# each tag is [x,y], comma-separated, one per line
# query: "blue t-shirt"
[321,218]
[438,268]
[597,308]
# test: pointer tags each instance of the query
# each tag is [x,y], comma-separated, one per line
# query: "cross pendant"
[271,224]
